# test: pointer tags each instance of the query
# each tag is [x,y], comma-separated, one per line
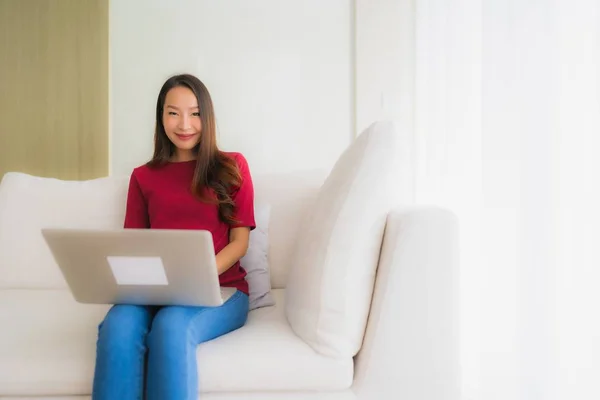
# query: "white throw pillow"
[331,277]
[256,260]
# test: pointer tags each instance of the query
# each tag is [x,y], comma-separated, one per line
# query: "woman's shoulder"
[140,170]
[146,171]
[239,159]
[237,156]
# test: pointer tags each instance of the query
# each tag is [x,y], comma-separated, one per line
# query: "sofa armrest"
[411,344]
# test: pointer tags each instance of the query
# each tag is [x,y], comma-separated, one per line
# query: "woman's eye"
[172,113]
[196,114]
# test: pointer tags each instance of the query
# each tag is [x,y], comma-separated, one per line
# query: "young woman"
[188,184]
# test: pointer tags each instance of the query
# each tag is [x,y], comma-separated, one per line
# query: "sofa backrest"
[29,203]
[290,197]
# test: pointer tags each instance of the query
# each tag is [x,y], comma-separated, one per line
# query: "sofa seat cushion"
[48,348]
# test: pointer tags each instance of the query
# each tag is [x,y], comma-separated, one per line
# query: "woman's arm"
[136,214]
[235,250]
[239,234]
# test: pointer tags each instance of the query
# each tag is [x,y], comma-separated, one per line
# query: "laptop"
[138,266]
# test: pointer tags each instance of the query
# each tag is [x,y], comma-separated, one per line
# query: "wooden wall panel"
[54,88]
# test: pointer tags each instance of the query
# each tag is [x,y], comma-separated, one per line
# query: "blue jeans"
[170,336]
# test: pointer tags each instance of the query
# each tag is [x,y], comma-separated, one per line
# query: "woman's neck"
[183,156]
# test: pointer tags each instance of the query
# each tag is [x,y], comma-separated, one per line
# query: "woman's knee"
[124,326]
[169,325]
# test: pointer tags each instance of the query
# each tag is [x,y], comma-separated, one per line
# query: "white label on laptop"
[138,270]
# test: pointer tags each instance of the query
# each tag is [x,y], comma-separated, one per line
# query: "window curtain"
[507,135]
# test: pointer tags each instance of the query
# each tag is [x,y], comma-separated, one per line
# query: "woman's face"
[181,119]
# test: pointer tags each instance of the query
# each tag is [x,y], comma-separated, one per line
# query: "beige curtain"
[54,87]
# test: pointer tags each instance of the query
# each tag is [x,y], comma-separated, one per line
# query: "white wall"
[384,36]
[385,75]
[279,72]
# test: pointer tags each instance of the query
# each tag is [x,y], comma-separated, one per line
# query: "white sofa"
[408,347]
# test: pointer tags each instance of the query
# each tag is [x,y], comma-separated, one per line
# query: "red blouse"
[161,198]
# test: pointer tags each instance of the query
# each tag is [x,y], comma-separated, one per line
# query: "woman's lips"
[185,137]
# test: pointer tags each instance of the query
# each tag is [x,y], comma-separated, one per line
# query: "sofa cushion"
[330,283]
[347,394]
[266,355]
[47,345]
[48,348]
[28,203]
[256,260]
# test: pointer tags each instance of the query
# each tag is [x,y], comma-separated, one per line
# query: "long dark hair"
[216,174]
